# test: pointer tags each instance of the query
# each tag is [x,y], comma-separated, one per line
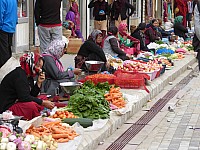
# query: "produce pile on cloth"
[89,101]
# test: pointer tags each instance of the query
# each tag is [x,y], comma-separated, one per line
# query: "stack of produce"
[58,131]
[115,97]
[28,142]
[138,66]
[63,114]
[89,101]
[96,78]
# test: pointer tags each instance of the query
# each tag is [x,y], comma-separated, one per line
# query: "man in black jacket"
[120,11]
[47,18]
[99,13]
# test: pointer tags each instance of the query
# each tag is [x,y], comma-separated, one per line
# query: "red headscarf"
[28,62]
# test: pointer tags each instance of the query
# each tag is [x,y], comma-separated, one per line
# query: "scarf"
[56,50]
[28,62]
[178,19]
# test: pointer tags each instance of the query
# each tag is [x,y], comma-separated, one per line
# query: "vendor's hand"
[40,79]
[77,71]
[107,65]
[125,37]
[128,55]
[48,104]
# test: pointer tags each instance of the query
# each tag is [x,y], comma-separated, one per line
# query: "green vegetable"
[190,48]
[84,122]
[159,42]
[89,101]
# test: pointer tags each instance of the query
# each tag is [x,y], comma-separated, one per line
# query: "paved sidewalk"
[175,130]
[178,130]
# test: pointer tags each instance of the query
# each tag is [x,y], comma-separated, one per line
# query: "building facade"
[26,34]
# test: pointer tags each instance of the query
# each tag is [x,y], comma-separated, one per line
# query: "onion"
[12,138]
[24,146]
[18,140]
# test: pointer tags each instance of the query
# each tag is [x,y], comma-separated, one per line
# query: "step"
[92,139]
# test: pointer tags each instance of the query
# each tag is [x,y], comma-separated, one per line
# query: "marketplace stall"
[89,106]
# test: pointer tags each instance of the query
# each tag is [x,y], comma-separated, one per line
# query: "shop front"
[21,36]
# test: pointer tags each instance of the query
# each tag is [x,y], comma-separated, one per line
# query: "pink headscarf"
[122,26]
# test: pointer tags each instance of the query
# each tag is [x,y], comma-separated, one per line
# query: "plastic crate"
[151,75]
[130,80]
[158,73]
[102,79]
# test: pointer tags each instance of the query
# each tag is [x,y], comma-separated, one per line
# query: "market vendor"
[54,71]
[139,34]
[18,93]
[151,33]
[179,29]
[111,45]
[91,50]
[165,34]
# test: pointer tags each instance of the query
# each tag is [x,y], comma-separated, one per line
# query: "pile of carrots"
[63,114]
[115,97]
[101,76]
[60,133]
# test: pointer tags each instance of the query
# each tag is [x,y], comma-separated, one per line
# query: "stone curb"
[92,139]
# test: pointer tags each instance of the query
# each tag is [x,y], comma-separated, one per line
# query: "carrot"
[51,123]
[58,136]
[35,134]
[62,140]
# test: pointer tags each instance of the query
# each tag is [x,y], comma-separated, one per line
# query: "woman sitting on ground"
[179,29]
[165,34]
[17,90]
[91,50]
[151,33]
[123,39]
[139,34]
[111,45]
[54,70]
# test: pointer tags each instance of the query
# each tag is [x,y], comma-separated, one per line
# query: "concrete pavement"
[168,130]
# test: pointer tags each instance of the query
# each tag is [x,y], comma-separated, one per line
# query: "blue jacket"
[8,15]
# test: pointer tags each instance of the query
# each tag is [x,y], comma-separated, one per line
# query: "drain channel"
[131,132]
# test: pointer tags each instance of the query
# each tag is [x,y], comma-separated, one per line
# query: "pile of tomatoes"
[63,114]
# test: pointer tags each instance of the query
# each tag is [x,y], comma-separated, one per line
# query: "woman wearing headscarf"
[54,70]
[139,34]
[18,93]
[111,45]
[162,31]
[179,29]
[122,37]
[74,16]
[128,43]
[151,33]
[91,50]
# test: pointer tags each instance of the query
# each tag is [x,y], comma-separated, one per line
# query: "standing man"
[99,13]
[196,38]
[8,21]
[121,10]
[47,18]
